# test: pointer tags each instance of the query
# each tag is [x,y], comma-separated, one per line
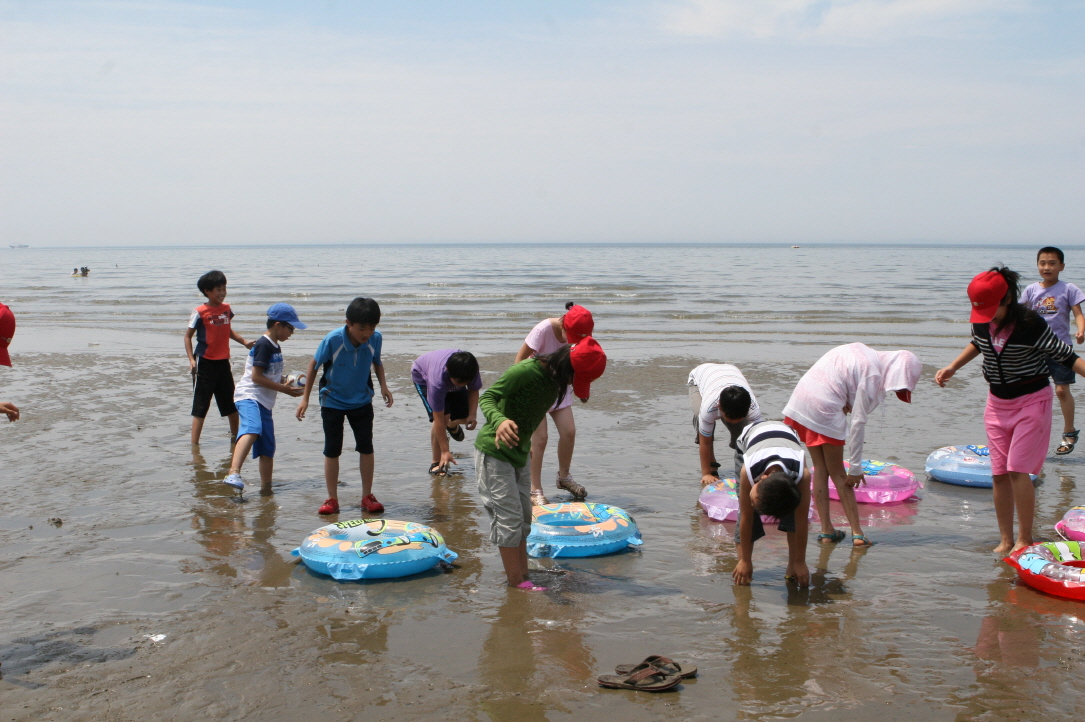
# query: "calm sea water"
[114,528]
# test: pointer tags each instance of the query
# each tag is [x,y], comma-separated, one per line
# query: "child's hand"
[854,480]
[846,409]
[508,432]
[294,391]
[798,573]
[743,573]
[10,409]
[471,423]
[192,365]
[248,344]
[707,479]
[302,408]
[445,462]
[944,375]
[387,396]
[1080,336]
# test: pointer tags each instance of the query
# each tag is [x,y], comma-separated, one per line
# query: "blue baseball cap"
[285,313]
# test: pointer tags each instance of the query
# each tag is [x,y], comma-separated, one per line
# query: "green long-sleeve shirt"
[524,393]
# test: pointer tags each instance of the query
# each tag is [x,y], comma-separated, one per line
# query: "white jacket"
[854,375]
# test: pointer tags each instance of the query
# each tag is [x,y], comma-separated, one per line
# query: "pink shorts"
[1019,431]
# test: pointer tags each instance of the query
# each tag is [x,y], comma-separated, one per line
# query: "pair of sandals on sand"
[654,674]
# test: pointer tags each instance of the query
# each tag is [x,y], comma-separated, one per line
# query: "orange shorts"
[811,438]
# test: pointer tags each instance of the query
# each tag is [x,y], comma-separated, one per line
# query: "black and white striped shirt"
[1021,367]
[771,443]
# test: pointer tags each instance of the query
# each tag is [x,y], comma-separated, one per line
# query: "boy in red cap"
[1015,343]
[514,407]
[545,338]
[7,332]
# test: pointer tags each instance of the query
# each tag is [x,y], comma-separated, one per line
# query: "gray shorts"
[506,494]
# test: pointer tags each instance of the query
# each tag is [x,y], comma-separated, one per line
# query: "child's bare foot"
[266,490]
[1003,548]
[1021,544]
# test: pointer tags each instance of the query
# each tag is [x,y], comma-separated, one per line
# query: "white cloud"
[826,19]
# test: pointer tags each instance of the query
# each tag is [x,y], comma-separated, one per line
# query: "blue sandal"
[836,536]
[862,538]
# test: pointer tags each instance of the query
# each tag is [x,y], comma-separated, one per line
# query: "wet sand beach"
[145,540]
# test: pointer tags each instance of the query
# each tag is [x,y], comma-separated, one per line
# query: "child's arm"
[10,410]
[524,352]
[260,379]
[310,380]
[472,409]
[743,572]
[970,352]
[188,349]
[708,455]
[440,438]
[237,337]
[1079,319]
[796,540]
[385,393]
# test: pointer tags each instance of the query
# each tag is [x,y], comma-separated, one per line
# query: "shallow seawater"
[145,541]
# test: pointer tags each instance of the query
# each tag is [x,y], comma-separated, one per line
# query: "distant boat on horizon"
[796,246]
[19,245]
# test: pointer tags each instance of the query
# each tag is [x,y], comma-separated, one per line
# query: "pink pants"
[1019,431]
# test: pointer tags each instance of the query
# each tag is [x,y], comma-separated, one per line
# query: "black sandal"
[1069,440]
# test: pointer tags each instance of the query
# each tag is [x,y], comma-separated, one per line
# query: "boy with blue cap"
[255,396]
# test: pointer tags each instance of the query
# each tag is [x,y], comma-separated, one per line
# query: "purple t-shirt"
[1054,305]
[429,370]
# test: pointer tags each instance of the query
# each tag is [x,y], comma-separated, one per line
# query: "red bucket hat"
[577,323]
[589,362]
[986,293]
[7,331]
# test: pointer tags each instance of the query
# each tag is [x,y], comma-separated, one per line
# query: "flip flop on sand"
[648,679]
[663,664]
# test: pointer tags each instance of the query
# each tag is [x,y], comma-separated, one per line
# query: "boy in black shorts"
[209,363]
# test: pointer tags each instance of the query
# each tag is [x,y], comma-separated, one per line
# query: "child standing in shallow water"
[547,337]
[1055,301]
[1015,343]
[514,407]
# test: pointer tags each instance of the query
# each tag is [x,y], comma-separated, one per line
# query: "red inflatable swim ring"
[1052,567]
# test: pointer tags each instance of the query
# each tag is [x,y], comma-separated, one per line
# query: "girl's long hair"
[559,367]
[1015,312]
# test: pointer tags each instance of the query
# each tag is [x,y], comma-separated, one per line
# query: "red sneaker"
[371,505]
[331,506]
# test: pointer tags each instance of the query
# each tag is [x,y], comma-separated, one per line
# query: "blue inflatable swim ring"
[580,529]
[962,465]
[373,549]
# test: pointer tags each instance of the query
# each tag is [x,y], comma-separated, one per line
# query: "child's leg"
[331,476]
[241,452]
[1066,403]
[267,464]
[514,560]
[233,418]
[821,487]
[505,493]
[834,464]
[538,448]
[197,429]
[1024,501]
[563,420]
[332,421]
[366,464]
[1003,492]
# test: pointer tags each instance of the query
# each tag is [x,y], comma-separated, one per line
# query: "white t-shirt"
[543,342]
[710,380]
[266,354]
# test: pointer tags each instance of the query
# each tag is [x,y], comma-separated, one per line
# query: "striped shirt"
[771,443]
[1020,368]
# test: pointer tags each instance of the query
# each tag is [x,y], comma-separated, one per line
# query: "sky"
[134,122]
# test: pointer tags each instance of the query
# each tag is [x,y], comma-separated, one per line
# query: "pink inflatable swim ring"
[1072,524]
[720,501]
[886,483]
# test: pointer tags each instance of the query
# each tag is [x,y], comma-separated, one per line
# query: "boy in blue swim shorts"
[255,396]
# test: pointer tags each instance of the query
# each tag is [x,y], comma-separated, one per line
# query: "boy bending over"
[448,382]
[773,482]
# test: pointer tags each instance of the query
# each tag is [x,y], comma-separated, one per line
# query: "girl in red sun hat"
[547,337]
[1015,343]
[7,332]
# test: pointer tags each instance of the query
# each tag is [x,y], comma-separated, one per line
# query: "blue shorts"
[1060,374]
[255,419]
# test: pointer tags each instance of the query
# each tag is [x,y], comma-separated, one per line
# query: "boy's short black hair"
[777,496]
[735,402]
[210,281]
[1051,249]
[365,311]
[462,366]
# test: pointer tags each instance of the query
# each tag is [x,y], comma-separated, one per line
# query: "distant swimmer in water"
[75,271]
[86,271]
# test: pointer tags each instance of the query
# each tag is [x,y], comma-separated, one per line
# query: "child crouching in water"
[514,407]
[1015,343]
